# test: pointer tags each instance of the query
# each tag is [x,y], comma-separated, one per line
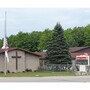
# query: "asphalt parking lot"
[47,79]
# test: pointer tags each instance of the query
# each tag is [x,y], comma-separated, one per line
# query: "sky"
[29,20]
[38,19]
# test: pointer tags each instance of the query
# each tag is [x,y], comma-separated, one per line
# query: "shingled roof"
[77,54]
[12,49]
[42,54]
[73,51]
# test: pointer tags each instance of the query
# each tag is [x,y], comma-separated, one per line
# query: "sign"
[81,58]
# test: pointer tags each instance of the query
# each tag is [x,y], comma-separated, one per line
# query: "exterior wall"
[27,61]
[11,66]
[32,62]
[2,59]
[21,61]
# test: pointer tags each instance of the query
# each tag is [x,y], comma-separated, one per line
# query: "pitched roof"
[12,49]
[42,54]
[73,55]
[73,52]
[74,49]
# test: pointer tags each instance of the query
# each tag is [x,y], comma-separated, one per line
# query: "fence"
[57,67]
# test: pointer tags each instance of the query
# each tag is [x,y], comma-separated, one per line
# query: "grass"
[37,74]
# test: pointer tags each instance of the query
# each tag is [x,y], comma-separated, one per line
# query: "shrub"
[13,72]
[1,72]
[27,70]
[8,71]
[30,70]
[35,70]
[23,71]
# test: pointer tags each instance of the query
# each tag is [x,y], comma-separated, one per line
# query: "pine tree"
[57,48]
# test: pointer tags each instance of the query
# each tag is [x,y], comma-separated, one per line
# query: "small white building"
[19,60]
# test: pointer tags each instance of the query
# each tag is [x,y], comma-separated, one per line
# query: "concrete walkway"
[46,79]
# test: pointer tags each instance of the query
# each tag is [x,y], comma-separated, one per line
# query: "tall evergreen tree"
[57,48]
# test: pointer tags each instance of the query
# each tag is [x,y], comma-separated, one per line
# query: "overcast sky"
[38,19]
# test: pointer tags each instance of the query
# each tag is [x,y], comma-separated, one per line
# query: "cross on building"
[17,57]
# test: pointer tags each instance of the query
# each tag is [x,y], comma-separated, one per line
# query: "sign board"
[81,58]
[82,68]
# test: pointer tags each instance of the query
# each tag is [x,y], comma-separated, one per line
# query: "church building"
[19,60]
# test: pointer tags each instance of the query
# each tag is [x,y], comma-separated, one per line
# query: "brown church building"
[75,51]
[19,60]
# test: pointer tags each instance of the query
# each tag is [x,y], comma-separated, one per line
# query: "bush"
[13,72]
[28,70]
[35,70]
[23,71]
[8,71]
[1,72]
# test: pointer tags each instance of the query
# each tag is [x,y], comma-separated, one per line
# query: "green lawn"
[37,74]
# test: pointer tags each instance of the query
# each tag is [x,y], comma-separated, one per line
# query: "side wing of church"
[19,60]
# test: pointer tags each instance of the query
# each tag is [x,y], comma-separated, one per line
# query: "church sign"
[81,58]
[82,62]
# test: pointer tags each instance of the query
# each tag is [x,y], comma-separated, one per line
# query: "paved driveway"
[47,79]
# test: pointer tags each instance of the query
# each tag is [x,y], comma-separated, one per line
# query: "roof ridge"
[74,49]
[11,49]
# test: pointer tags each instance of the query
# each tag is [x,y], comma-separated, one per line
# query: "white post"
[5,68]
[4,44]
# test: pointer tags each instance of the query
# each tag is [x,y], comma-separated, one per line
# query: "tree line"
[38,40]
